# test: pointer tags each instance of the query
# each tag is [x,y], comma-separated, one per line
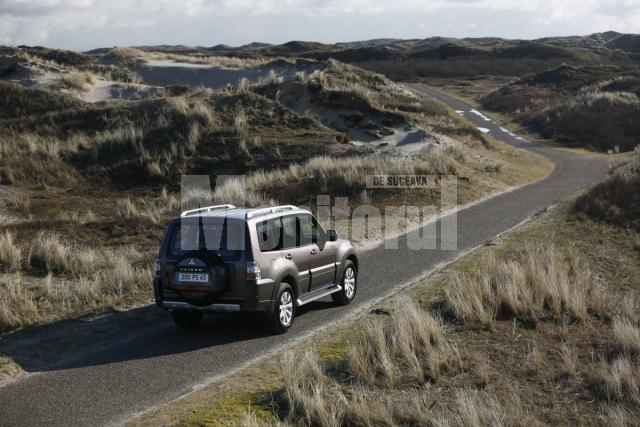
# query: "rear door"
[278,236]
[322,264]
[293,252]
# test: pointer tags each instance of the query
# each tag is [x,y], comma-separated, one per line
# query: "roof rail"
[266,211]
[206,209]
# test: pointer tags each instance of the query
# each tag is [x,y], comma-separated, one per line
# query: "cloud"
[38,21]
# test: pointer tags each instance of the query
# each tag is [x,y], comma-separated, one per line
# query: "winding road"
[155,365]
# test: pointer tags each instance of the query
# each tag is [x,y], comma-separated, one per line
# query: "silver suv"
[271,260]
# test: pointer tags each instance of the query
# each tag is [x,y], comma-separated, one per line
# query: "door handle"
[313,252]
[288,256]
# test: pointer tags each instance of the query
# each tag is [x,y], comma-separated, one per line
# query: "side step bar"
[305,299]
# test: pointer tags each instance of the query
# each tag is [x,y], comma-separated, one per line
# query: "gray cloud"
[83,24]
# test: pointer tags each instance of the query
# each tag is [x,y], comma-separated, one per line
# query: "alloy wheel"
[349,282]
[286,308]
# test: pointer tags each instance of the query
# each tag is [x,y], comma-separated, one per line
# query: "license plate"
[192,277]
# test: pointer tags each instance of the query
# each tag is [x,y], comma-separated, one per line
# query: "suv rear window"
[214,234]
[269,234]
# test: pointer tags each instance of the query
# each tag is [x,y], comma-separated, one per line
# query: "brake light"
[156,268]
[253,271]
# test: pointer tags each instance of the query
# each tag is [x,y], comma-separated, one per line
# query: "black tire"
[186,319]
[277,322]
[349,285]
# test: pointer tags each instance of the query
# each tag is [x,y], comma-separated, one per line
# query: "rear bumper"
[218,307]
[258,298]
[214,308]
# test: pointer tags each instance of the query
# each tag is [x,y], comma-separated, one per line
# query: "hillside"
[587,106]
[438,57]
[92,154]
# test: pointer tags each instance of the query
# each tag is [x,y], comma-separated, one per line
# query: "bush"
[600,121]
[616,201]
[18,101]
[589,106]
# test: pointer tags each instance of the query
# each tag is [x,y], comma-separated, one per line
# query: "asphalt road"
[162,363]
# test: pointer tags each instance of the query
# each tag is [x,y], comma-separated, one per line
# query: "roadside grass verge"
[338,177]
[52,278]
[537,283]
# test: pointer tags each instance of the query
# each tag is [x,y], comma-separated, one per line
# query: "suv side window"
[288,232]
[308,229]
[269,234]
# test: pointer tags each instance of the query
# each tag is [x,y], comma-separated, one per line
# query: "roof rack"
[206,209]
[266,211]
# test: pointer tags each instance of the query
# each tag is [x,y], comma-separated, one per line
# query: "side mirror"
[333,235]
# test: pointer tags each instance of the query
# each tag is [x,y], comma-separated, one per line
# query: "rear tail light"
[156,268]
[253,271]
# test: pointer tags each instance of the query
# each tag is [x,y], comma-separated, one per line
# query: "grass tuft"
[539,282]
[10,252]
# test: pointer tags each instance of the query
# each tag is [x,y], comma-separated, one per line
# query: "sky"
[89,24]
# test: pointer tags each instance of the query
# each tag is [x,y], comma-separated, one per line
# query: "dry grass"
[560,369]
[244,86]
[382,382]
[474,408]
[307,393]
[569,360]
[313,398]
[152,209]
[75,81]
[219,61]
[76,279]
[619,380]
[77,217]
[618,416]
[126,208]
[10,252]
[29,143]
[27,300]
[116,140]
[179,105]
[411,348]
[327,175]
[17,306]
[55,254]
[240,124]
[539,282]
[626,335]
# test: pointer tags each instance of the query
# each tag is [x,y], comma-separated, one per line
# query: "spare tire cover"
[214,265]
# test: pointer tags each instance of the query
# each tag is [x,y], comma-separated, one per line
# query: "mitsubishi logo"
[191,261]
